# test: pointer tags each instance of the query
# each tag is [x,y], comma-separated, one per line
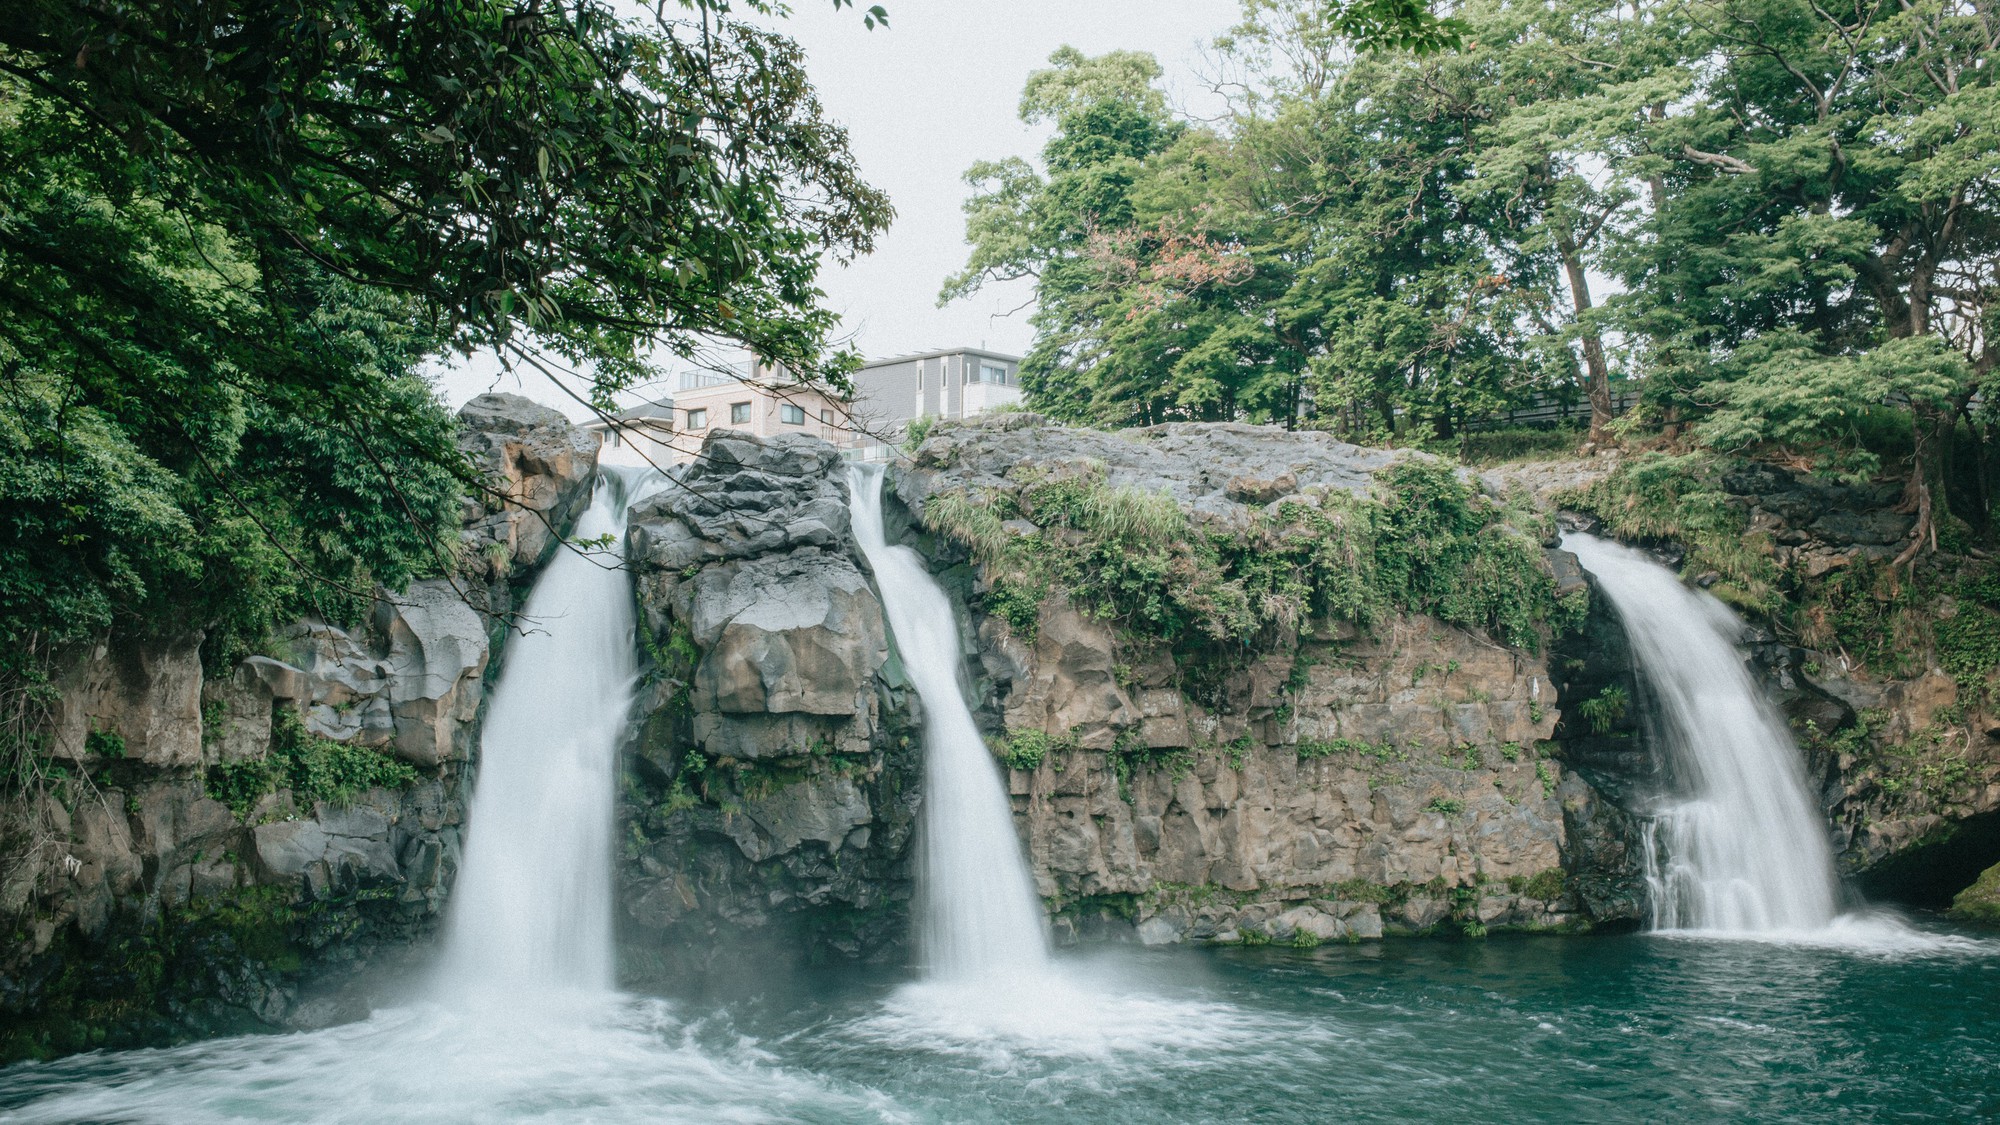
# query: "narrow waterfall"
[532,908]
[1742,847]
[978,914]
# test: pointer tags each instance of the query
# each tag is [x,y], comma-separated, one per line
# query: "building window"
[697,419]
[989,373]
[791,415]
[739,413]
[826,416]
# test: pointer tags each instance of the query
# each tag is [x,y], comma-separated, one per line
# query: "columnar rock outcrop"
[771,781]
[184,871]
[1331,785]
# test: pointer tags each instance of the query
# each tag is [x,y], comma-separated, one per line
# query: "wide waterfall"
[977,909]
[1741,848]
[532,908]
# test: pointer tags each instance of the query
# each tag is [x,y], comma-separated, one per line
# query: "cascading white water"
[1742,849]
[978,912]
[532,908]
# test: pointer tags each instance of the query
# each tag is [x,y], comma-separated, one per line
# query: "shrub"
[1020,609]
[1656,496]
[314,767]
[1028,749]
[1311,748]
[1605,710]
[1430,545]
[1546,885]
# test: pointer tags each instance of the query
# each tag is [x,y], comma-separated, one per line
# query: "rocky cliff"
[1332,781]
[212,833]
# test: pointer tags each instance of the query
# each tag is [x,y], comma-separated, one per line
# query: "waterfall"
[531,912]
[1742,848]
[978,912]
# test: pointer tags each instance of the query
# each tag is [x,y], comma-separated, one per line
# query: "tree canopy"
[1773,218]
[232,232]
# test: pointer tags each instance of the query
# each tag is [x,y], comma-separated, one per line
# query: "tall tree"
[1061,227]
[1834,199]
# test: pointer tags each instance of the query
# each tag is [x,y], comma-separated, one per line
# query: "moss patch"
[1980,902]
[1430,545]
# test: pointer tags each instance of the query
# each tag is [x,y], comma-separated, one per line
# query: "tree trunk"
[1594,365]
[1930,428]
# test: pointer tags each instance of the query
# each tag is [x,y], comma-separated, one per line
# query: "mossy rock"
[1979,902]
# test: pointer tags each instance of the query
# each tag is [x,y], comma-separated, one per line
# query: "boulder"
[1980,902]
[537,467]
[823,811]
[745,497]
[437,653]
[287,848]
[800,632]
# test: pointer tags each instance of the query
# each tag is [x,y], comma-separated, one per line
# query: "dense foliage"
[231,234]
[1775,218]
[1429,545]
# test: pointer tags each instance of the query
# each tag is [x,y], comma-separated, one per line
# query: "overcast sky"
[923,99]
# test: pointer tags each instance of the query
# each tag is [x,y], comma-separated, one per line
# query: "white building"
[891,393]
[643,435]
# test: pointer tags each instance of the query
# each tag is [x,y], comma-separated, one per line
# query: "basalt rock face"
[179,884]
[1334,785]
[1340,787]
[1337,785]
[537,469]
[771,786]
[1906,760]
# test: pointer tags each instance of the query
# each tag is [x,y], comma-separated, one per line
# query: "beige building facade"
[757,399]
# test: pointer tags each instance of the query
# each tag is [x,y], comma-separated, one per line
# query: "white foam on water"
[524,1025]
[1068,1012]
[1867,932]
[621,1059]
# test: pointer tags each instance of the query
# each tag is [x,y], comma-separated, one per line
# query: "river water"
[1615,1028]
